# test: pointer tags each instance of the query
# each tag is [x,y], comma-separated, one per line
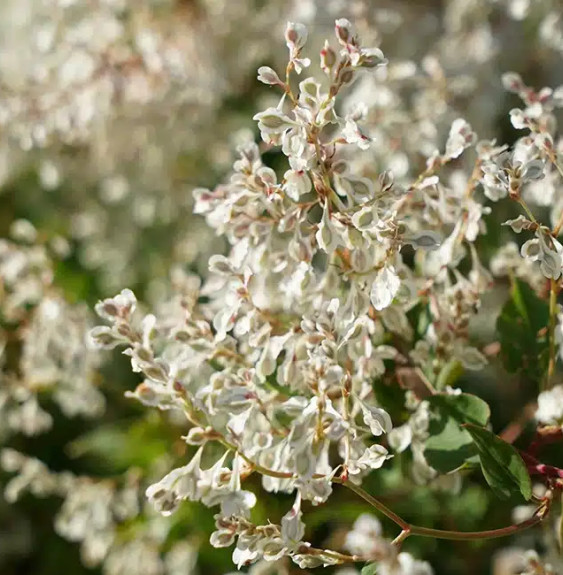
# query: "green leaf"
[369,569]
[449,445]
[502,466]
[519,325]
[464,407]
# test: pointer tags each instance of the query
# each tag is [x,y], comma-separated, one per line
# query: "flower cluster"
[100,515]
[119,108]
[277,365]
[350,288]
[45,337]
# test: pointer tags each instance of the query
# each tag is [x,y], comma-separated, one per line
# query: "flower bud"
[268,76]
[372,58]
[346,76]
[328,58]
[512,82]
[220,265]
[344,31]
[103,337]
[295,36]
[272,121]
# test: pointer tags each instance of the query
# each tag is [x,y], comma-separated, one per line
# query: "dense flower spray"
[309,306]
[323,347]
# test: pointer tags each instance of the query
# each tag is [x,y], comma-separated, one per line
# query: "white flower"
[372,458]
[518,224]
[376,419]
[461,137]
[384,288]
[272,121]
[295,36]
[344,31]
[179,484]
[425,240]
[400,437]
[405,564]
[353,135]
[121,306]
[221,265]
[366,536]
[292,528]
[472,358]
[550,406]
[326,235]
[297,184]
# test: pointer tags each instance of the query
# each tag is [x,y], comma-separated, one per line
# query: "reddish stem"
[535,467]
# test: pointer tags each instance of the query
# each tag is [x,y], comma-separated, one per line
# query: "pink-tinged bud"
[512,82]
[328,58]
[268,76]
[344,31]
[295,36]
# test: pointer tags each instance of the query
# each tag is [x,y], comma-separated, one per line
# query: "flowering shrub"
[337,355]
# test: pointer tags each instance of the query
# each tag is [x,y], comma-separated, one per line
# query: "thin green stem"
[558,226]
[553,159]
[525,207]
[255,466]
[287,86]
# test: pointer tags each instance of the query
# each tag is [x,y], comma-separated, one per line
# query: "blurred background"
[111,112]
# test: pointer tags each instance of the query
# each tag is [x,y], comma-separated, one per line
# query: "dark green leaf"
[449,446]
[502,466]
[464,407]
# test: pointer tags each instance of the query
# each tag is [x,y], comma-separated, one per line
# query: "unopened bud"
[268,76]
[328,58]
[295,35]
[344,30]
[512,82]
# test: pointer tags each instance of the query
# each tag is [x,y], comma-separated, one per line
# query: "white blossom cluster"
[364,201]
[119,106]
[100,515]
[43,347]
[277,366]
